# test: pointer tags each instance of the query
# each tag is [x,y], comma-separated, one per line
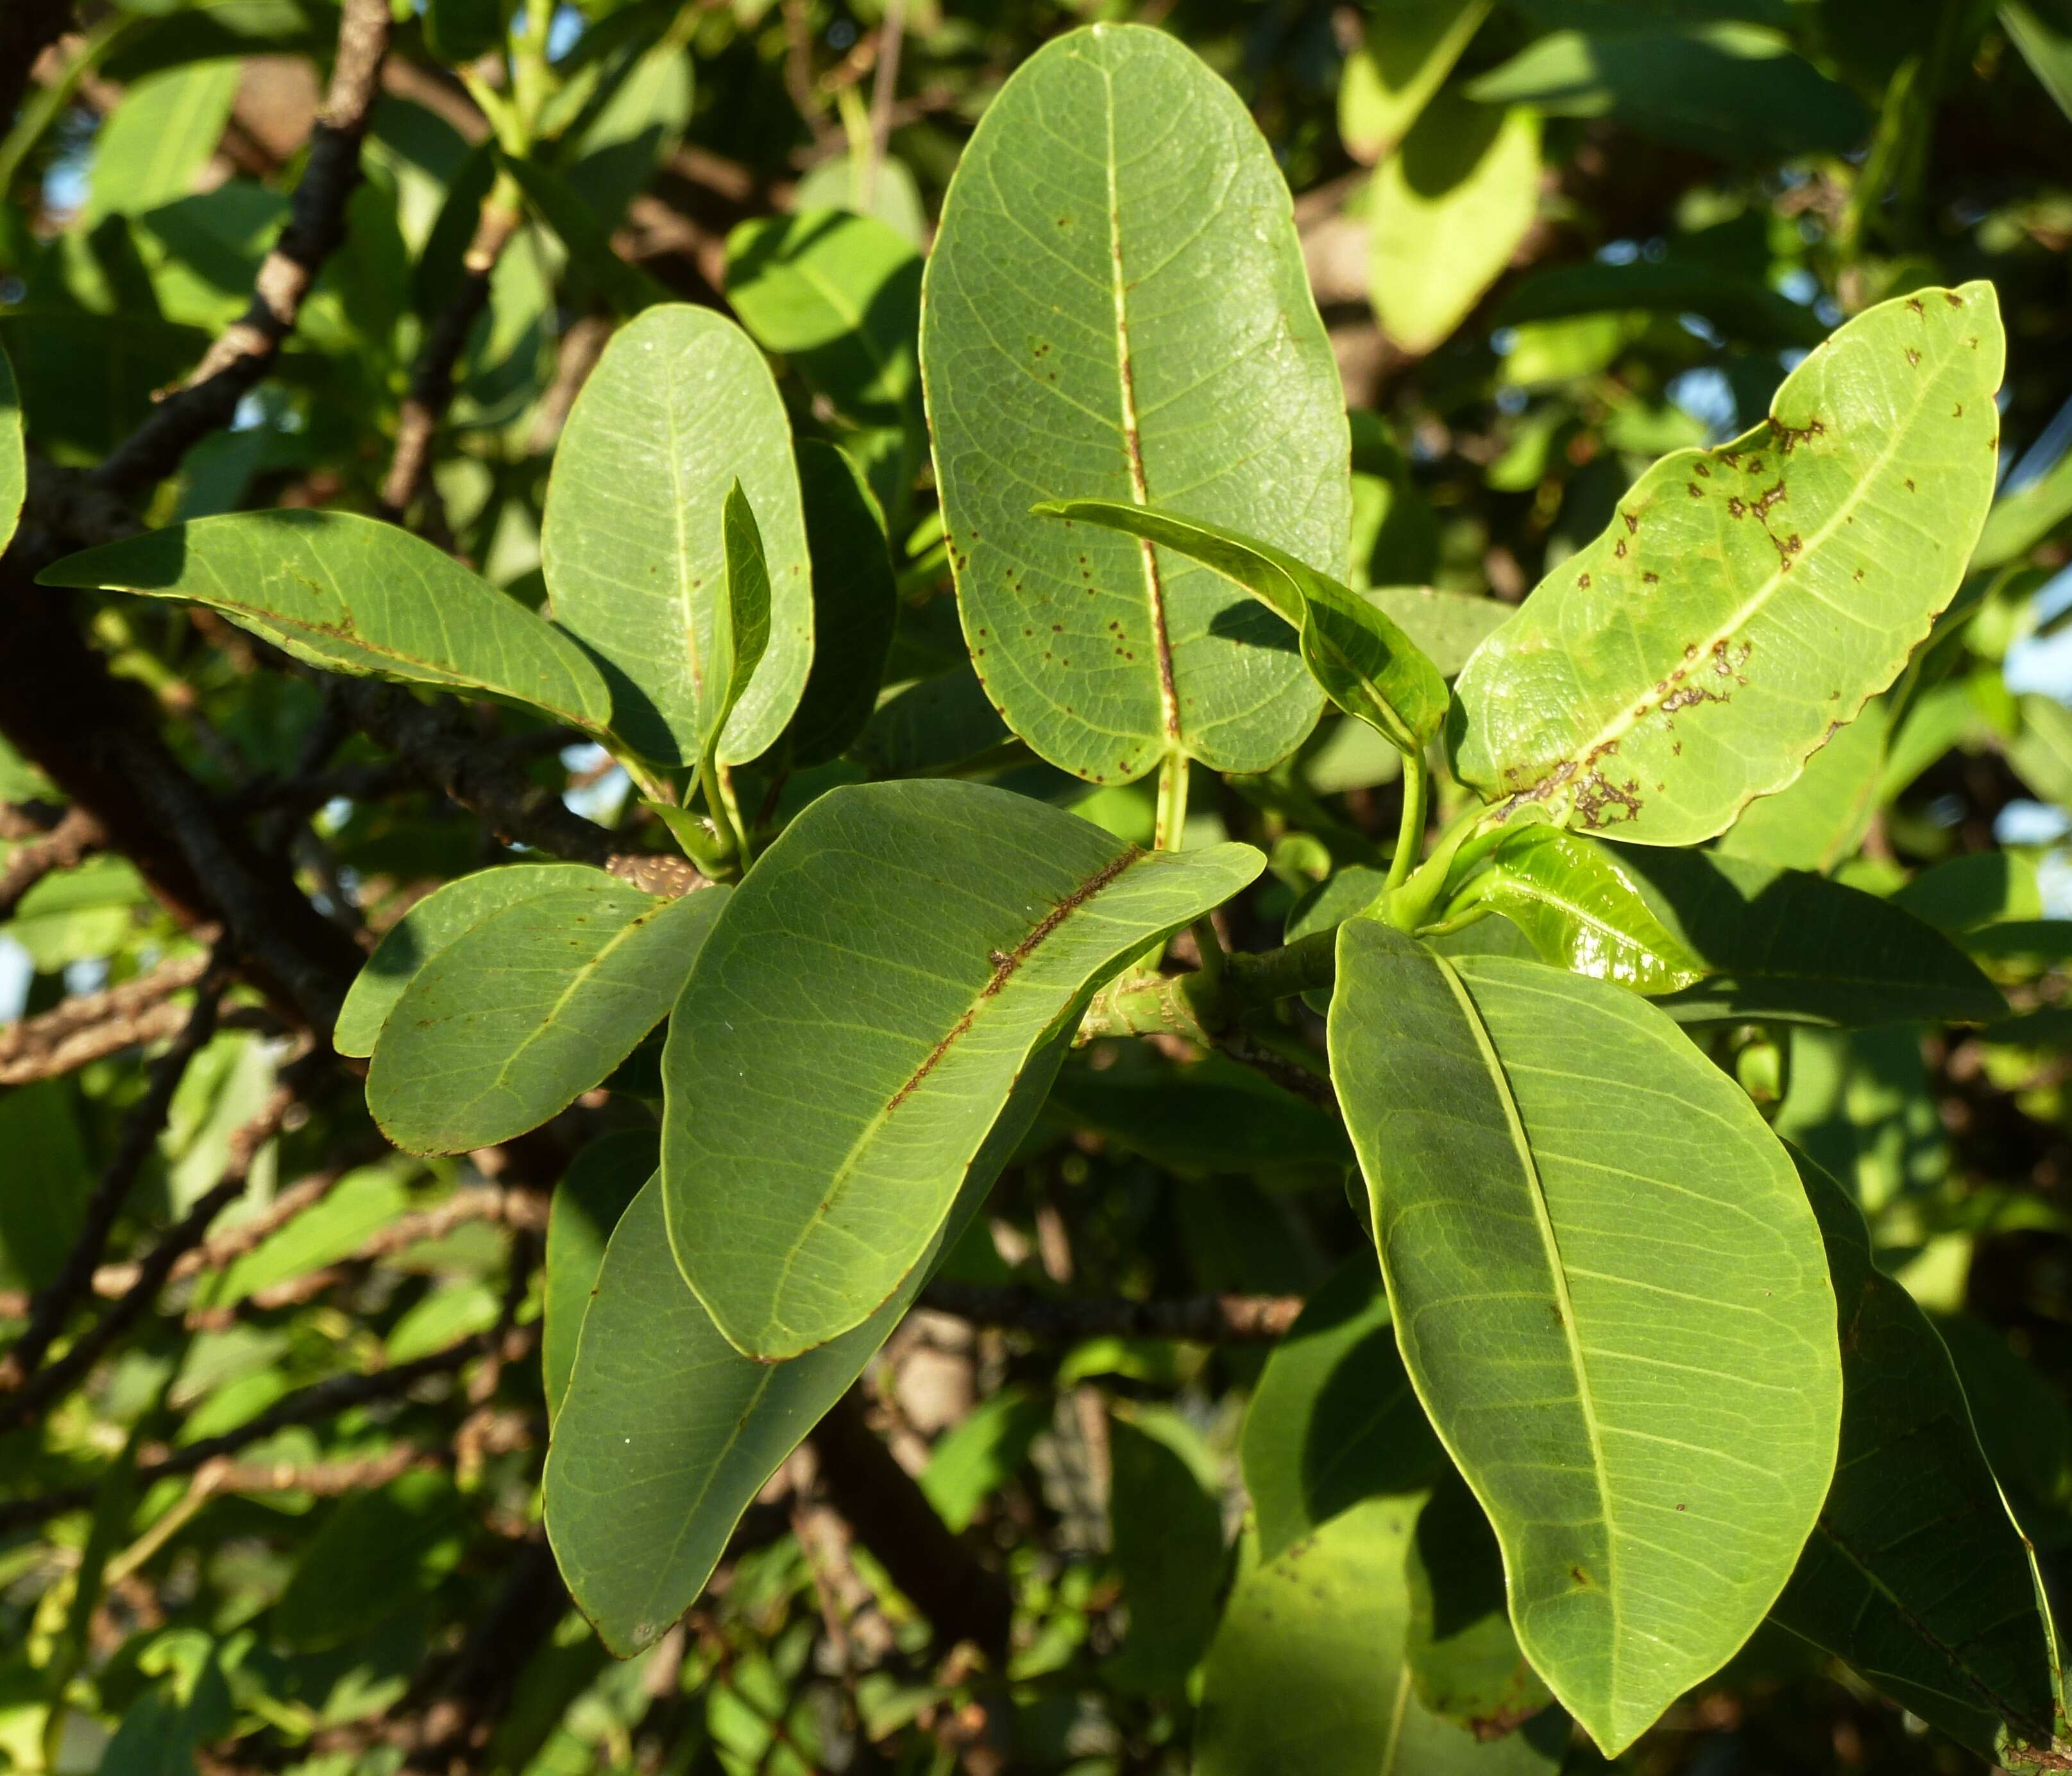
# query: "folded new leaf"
[1366,664]
[865,1006]
[1612,1299]
[354,595]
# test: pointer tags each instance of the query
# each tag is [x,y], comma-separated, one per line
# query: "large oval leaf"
[517,1017]
[354,595]
[679,407]
[1117,308]
[1611,1294]
[1915,1573]
[1746,600]
[865,1006]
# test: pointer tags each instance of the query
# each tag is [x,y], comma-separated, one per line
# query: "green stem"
[1410,833]
[734,820]
[1201,1006]
[1172,802]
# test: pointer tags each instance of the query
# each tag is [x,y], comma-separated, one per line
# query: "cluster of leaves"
[1092,854]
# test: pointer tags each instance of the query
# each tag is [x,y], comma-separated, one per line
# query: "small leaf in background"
[376,1553]
[1168,1536]
[14,466]
[435,922]
[355,596]
[856,606]
[1365,665]
[1741,308]
[1334,1419]
[1446,212]
[1445,627]
[1214,1116]
[1746,600]
[2040,30]
[886,192]
[841,295]
[933,725]
[459,31]
[1141,353]
[858,1019]
[976,1456]
[632,541]
[1915,1573]
[521,1015]
[157,140]
[1405,53]
[592,1197]
[1731,90]
[591,255]
[1655,1328]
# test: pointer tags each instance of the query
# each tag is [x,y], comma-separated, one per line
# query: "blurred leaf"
[893,197]
[592,257]
[1406,51]
[1463,1658]
[358,1206]
[2043,31]
[454,1310]
[372,1554]
[1980,888]
[156,142]
[39,1133]
[459,31]
[1740,307]
[1168,1552]
[1445,627]
[14,466]
[976,1455]
[1213,1116]
[589,1202]
[855,606]
[1818,820]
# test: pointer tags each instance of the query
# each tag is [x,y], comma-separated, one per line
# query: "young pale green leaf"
[1446,212]
[14,466]
[1366,665]
[1583,909]
[593,1196]
[856,606]
[741,624]
[1745,600]
[354,595]
[1404,54]
[1797,947]
[1307,1673]
[1117,308]
[668,1432]
[155,144]
[1915,1573]
[430,926]
[1333,1419]
[859,1018]
[841,295]
[633,545]
[519,1017]
[1610,1295]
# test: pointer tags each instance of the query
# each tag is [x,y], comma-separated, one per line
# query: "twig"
[1200,1319]
[243,355]
[90,1025]
[73,838]
[884,84]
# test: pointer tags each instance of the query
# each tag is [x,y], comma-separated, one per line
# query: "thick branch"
[1201,1319]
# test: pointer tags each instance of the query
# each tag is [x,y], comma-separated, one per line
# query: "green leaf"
[1745,600]
[1405,53]
[935,724]
[157,141]
[374,1552]
[1610,1295]
[1334,1419]
[357,1206]
[1446,626]
[632,542]
[858,1020]
[856,606]
[1366,665]
[1583,909]
[592,257]
[1446,213]
[1727,90]
[972,1459]
[14,464]
[591,1199]
[430,926]
[1915,1573]
[2043,34]
[1117,308]
[1307,1675]
[668,1432]
[354,595]
[1818,820]
[841,295]
[459,31]
[1741,308]
[519,1016]
[1169,1553]
[741,626]
[1214,1116]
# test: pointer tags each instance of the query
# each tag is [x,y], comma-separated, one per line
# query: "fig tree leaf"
[1915,1573]
[593,1194]
[430,926]
[354,595]
[1366,665]
[14,465]
[1744,601]
[856,606]
[668,1432]
[1406,51]
[1611,1297]
[1333,1419]
[518,1016]
[1446,212]
[1117,308]
[1307,1674]
[632,542]
[838,293]
[868,999]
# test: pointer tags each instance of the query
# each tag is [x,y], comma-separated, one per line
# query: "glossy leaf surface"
[355,596]
[632,542]
[517,1017]
[1366,665]
[1117,308]
[589,1202]
[1611,1296]
[1745,600]
[868,998]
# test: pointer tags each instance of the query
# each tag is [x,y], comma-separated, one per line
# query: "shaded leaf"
[855,606]
[157,141]
[374,1553]
[1090,330]
[592,257]
[1446,626]
[1213,1116]
[1405,53]
[935,724]
[1463,1657]
[1168,1552]
[1745,600]
[867,1000]
[740,628]
[1741,308]
[1632,1362]
[592,1196]
[1820,818]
